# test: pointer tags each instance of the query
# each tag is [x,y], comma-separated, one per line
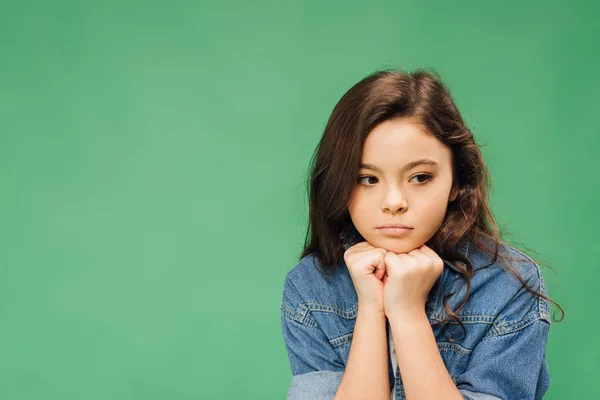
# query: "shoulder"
[495,292]
[308,287]
[506,269]
[497,284]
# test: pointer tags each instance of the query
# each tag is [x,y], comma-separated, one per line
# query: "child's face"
[416,197]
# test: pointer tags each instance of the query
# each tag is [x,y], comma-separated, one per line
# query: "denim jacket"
[501,354]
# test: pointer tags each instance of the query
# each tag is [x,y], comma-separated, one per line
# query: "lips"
[395,230]
[394,225]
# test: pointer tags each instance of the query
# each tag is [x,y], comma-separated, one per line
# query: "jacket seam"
[448,346]
[502,329]
[348,314]
[340,340]
[300,314]
[468,319]
[541,287]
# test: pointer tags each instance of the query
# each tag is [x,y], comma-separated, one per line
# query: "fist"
[410,277]
[367,268]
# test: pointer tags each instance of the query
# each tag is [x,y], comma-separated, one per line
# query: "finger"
[408,261]
[423,259]
[357,248]
[362,253]
[380,267]
[358,251]
[363,247]
[435,258]
[371,263]
[392,258]
[428,250]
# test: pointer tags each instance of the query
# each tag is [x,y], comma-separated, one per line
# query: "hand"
[410,278]
[367,269]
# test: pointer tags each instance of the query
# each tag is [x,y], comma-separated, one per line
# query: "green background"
[153,159]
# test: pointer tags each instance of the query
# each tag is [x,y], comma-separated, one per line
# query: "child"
[404,288]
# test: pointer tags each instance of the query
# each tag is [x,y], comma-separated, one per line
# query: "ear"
[453,193]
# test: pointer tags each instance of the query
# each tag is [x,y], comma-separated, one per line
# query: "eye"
[360,179]
[426,178]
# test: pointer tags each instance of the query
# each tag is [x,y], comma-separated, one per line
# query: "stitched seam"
[341,339]
[301,314]
[288,312]
[307,319]
[447,346]
[469,319]
[500,329]
[348,314]
[541,306]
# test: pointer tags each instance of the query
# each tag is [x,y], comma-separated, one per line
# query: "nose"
[394,201]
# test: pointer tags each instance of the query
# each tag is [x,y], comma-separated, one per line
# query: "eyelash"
[429,177]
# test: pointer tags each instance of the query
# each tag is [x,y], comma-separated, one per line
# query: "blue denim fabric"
[502,355]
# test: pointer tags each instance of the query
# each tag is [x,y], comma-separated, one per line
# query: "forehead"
[400,141]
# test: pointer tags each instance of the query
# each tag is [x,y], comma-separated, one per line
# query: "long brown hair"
[422,97]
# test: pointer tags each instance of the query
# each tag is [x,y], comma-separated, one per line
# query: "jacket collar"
[463,248]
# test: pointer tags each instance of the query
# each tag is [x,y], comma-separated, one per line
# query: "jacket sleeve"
[509,366]
[510,361]
[317,369]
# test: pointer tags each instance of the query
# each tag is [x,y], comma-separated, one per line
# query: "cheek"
[359,202]
[433,210]
[359,211]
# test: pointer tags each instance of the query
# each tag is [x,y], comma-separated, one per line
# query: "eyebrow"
[407,167]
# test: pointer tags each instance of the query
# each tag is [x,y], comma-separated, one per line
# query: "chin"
[398,246]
